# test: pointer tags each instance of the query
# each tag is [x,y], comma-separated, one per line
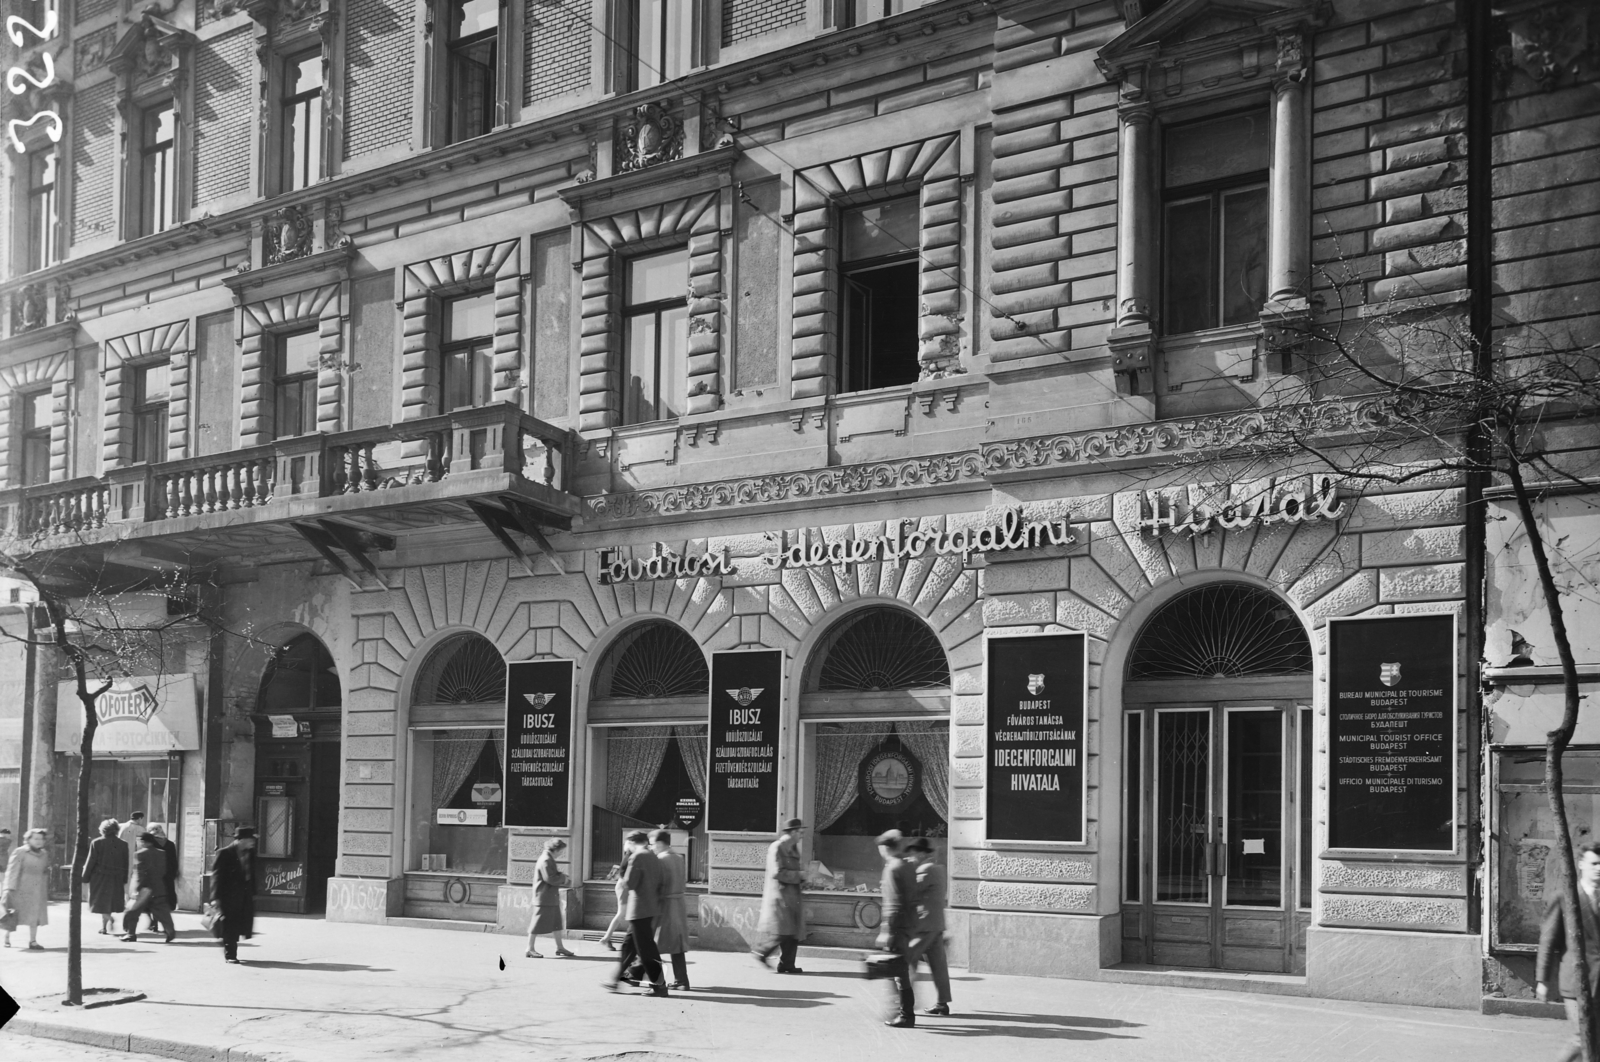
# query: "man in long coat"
[927,942]
[130,832]
[672,925]
[1556,965]
[782,914]
[150,875]
[645,889]
[170,878]
[234,891]
[897,926]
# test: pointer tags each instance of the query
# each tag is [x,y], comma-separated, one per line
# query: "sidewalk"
[312,990]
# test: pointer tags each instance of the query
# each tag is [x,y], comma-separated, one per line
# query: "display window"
[653,776]
[1524,835]
[462,771]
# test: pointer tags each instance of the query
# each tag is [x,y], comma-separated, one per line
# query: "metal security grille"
[1183,786]
[883,649]
[1221,631]
[466,669]
[655,660]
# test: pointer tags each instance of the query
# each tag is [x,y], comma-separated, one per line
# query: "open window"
[474,50]
[878,278]
[658,38]
[156,172]
[294,383]
[300,121]
[655,341]
[34,467]
[466,353]
[151,392]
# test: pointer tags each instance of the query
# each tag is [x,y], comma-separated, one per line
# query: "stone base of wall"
[369,900]
[1383,966]
[1040,945]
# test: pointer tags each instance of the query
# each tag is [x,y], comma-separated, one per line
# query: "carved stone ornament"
[715,130]
[288,235]
[1549,43]
[333,212]
[29,309]
[91,50]
[654,136]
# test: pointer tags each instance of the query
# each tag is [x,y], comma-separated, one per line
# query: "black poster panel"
[538,767]
[1391,751]
[742,782]
[1036,781]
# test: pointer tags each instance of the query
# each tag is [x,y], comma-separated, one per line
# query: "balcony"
[353,491]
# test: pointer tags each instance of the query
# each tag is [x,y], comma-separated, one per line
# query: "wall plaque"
[742,780]
[538,767]
[1391,733]
[1036,783]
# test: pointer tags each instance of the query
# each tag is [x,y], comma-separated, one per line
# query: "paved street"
[38,1049]
[315,990]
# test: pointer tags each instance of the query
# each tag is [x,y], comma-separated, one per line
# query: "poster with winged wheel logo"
[746,707]
[538,767]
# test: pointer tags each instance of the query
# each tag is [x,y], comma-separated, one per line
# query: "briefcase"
[883,965]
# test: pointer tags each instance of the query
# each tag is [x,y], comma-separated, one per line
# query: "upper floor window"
[655,339]
[36,413]
[300,121]
[158,185]
[151,389]
[1215,224]
[860,12]
[662,34]
[878,275]
[294,384]
[473,67]
[467,352]
[41,227]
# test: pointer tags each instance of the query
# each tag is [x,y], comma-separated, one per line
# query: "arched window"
[301,676]
[653,660]
[879,649]
[1224,630]
[463,669]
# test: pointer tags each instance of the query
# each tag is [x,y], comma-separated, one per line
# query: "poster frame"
[1003,634]
[572,737]
[779,758]
[1422,854]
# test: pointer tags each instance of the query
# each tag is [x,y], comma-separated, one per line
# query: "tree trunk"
[80,849]
[1556,744]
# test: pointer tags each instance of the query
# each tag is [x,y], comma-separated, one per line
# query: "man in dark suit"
[1553,953]
[164,843]
[234,891]
[928,943]
[150,883]
[645,888]
[897,925]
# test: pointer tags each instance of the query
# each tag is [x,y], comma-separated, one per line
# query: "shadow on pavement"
[766,993]
[1057,1019]
[327,967]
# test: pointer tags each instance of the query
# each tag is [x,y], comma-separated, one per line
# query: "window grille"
[1221,631]
[654,660]
[882,649]
[465,669]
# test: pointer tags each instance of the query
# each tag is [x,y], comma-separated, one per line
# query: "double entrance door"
[1215,845]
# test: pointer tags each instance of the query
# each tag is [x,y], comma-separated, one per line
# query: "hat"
[244,831]
[794,824]
[919,844]
[892,838]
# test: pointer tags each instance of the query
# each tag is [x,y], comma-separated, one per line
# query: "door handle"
[1211,858]
[1217,858]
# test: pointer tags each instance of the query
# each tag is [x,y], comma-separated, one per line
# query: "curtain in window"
[930,743]
[455,754]
[633,760]
[840,749]
[500,749]
[692,742]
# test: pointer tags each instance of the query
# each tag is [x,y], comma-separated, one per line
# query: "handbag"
[212,920]
[8,921]
[883,965]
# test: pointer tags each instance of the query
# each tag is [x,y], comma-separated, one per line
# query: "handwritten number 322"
[15,25]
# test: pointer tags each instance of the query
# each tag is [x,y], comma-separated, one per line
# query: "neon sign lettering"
[15,26]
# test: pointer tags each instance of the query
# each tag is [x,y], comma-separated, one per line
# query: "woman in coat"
[548,881]
[27,891]
[106,871]
[672,924]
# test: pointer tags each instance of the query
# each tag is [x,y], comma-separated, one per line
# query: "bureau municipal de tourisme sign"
[811,548]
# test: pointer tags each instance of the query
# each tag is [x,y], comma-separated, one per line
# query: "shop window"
[276,832]
[472,68]
[151,390]
[294,384]
[661,41]
[41,229]
[466,354]
[1524,836]
[655,342]
[300,121]
[1215,221]
[300,677]
[871,777]
[1224,630]
[158,182]
[37,409]
[878,278]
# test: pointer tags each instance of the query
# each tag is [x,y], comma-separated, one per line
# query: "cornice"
[48,336]
[675,176]
[1098,449]
[334,263]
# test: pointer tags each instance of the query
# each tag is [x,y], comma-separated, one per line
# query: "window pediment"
[1191,46]
[150,56]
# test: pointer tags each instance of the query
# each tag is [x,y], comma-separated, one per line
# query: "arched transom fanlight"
[300,676]
[464,669]
[1224,630]
[654,660]
[882,649]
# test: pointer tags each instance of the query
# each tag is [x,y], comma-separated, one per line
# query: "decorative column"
[1133,337]
[1286,315]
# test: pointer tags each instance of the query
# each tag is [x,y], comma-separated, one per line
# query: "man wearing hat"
[233,890]
[928,942]
[782,916]
[897,926]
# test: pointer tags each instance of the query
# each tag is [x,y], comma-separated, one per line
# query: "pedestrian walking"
[1559,967]
[150,875]
[645,888]
[233,890]
[782,914]
[26,897]
[927,943]
[130,832]
[896,926]
[548,881]
[672,926]
[5,845]
[106,870]
[171,876]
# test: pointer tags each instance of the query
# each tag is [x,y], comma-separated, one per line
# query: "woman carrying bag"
[27,892]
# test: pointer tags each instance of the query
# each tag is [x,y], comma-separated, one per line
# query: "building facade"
[848,396]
